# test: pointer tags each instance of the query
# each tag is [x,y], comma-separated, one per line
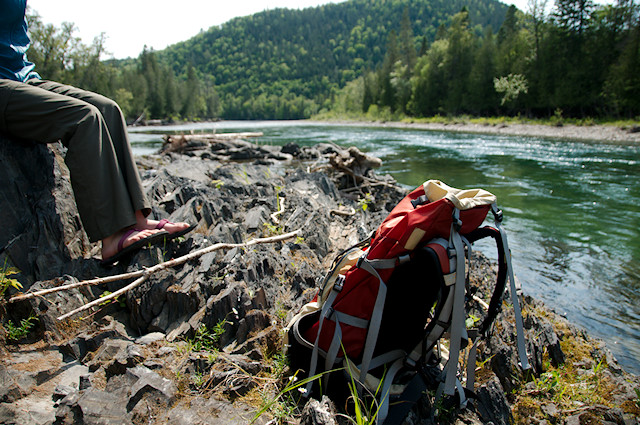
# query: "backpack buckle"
[410,363]
[420,200]
[339,283]
[497,213]
[404,259]
[362,258]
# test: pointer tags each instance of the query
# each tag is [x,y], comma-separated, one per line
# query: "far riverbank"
[604,133]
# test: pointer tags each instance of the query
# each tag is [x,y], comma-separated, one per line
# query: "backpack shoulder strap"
[522,348]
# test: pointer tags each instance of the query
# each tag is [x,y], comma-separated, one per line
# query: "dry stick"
[180,260]
[344,213]
[274,216]
[91,282]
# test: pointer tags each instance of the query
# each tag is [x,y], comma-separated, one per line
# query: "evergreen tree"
[482,98]
[622,86]
[149,69]
[429,87]
[386,90]
[573,15]
[458,62]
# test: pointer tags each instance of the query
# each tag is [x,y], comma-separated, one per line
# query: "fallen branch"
[97,281]
[177,261]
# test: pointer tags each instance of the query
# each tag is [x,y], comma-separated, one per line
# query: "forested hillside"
[382,58]
[287,63]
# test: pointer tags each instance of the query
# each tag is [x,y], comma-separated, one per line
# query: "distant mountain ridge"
[286,58]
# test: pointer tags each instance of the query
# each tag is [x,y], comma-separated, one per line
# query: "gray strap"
[462,395]
[374,324]
[387,263]
[444,318]
[458,316]
[326,307]
[382,263]
[522,347]
[383,408]
[469,252]
[334,348]
[471,361]
[442,321]
[385,358]
[336,341]
[348,319]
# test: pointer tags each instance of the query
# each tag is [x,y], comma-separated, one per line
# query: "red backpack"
[386,303]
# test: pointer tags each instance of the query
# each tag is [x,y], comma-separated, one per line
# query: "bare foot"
[145,223]
[110,243]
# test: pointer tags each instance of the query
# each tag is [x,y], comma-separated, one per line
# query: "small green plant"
[245,175]
[557,118]
[281,310]
[15,333]
[299,240]
[272,229]
[217,183]
[199,379]
[550,383]
[120,299]
[279,363]
[7,282]
[207,339]
[471,321]
[364,202]
[218,330]
[637,400]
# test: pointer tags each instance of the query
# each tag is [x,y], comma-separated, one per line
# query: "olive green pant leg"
[116,127]
[104,176]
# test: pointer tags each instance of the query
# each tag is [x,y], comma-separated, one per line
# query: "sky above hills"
[131,24]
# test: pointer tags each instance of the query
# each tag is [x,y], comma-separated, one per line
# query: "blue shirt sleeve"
[14,42]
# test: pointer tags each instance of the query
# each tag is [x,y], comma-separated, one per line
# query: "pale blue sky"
[132,24]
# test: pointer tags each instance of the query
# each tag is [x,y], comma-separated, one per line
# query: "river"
[571,208]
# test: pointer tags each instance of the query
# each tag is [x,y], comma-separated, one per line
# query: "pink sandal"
[135,246]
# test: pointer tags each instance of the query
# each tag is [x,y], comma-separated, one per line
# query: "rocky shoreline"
[200,343]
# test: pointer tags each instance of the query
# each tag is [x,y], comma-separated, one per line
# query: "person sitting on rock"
[104,176]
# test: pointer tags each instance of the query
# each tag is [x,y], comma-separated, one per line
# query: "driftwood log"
[190,142]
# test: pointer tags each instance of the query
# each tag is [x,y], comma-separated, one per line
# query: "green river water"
[571,208]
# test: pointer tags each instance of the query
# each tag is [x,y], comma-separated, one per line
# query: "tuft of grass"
[365,407]
[284,405]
